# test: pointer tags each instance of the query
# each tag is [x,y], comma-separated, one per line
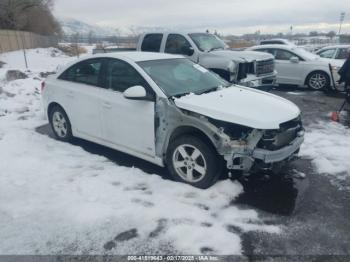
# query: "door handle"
[107,105]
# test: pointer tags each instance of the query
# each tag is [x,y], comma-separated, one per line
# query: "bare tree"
[331,34]
[29,15]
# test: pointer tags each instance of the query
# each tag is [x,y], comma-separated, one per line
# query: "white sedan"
[296,66]
[340,52]
[172,112]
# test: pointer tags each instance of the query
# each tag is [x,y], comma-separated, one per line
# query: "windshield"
[177,77]
[207,42]
[305,54]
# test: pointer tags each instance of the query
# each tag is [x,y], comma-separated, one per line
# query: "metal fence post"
[23,47]
[0,44]
[9,40]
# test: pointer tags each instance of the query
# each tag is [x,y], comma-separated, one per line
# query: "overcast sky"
[226,16]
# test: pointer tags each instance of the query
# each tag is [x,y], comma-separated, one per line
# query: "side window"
[120,76]
[151,42]
[283,55]
[269,51]
[177,44]
[274,43]
[342,53]
[329,53]
[85,72]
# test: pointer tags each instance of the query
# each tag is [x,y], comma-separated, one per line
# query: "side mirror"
[135,93]
[187,50]
[294,59]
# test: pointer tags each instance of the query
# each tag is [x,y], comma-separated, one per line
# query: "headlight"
[234,131]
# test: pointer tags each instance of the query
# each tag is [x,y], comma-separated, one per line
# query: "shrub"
[72,49]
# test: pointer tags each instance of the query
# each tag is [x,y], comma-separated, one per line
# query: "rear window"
[272,42]
[152,42]
[85,72]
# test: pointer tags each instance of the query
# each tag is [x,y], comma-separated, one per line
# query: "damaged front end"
[243,148]
[264,149]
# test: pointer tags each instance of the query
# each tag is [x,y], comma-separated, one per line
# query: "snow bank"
[39,59]
[328,145]
[56,198]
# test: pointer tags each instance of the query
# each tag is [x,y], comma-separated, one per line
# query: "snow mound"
[328,145]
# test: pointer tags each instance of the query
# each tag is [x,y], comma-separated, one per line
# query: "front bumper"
[256,81]
[284,153]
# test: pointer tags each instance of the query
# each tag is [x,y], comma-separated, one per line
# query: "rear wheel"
[60,124]
[318,81]
[192,161]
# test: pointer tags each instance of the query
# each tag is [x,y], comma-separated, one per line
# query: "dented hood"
[243,106]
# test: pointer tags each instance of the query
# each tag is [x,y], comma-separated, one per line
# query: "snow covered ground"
[328,145]
[56,198]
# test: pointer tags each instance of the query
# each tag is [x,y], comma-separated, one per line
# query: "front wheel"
[192,161]
[318,81]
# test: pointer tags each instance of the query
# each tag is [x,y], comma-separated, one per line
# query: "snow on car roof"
[334,46]
[290,47]
[297,50]
[137,56]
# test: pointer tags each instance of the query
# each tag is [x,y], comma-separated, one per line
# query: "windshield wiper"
[205,91]
[211,89]
[181,94]
[215,48]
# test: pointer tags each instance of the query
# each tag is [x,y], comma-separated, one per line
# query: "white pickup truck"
[247,68]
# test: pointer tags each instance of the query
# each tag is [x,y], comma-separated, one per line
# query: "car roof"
[179,32]
[137,56]
[275,39]
[289,47]
[334,46]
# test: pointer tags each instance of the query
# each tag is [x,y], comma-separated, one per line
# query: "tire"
[201,170]
[318,80]
[60,124]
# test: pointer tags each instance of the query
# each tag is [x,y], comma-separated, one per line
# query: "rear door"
[81,85]
[127,124]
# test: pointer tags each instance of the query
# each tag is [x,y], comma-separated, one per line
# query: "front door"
[288,72]
[127,124]
[178,44]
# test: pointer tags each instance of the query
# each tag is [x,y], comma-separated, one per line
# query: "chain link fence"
[11,40]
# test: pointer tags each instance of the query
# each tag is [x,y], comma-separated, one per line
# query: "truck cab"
[247,68]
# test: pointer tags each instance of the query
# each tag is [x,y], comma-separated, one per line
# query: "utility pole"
[342,17]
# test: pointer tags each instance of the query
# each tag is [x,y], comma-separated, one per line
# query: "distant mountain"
[72,26]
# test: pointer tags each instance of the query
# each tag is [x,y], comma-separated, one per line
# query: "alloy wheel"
[59,124]
[318,81]
[189,163]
